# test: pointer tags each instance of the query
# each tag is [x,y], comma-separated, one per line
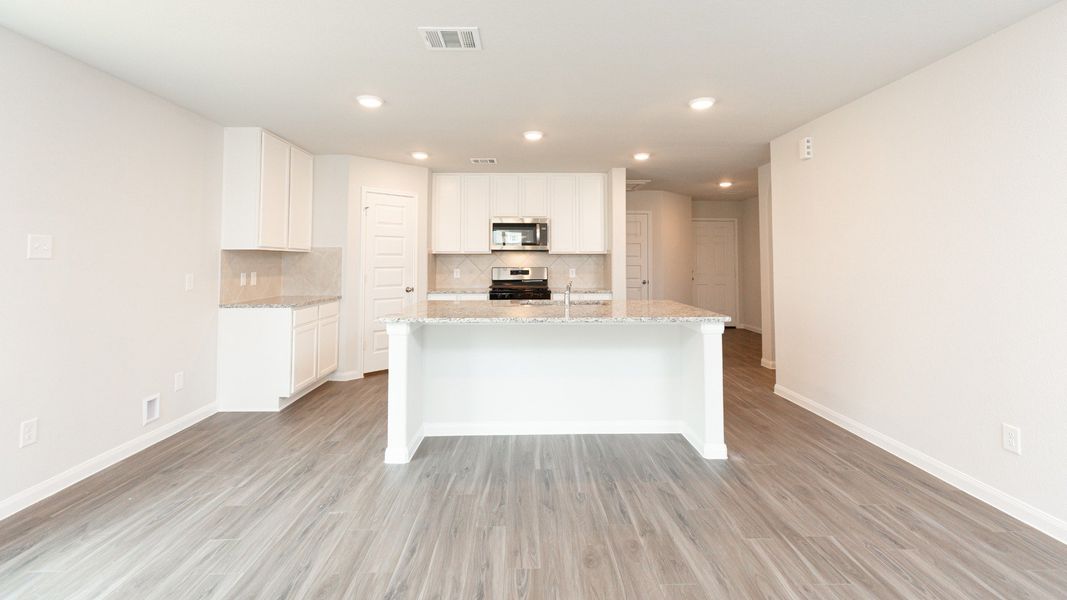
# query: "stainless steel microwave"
[519,233]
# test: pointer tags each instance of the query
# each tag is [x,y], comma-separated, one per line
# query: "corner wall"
[672,243]
[130,187]
[915,305]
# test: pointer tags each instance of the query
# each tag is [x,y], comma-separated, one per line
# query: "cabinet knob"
[409,289]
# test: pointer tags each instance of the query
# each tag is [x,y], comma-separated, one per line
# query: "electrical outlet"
[38,246]
[252,278]
[188,282]
[28,433]
[244,279]
[455,273]
[1012,438]
[572,272]
[150,409]
[179,381]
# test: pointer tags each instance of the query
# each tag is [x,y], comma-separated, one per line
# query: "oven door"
[519,234]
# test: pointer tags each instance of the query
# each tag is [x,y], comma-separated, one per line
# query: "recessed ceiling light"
[726,184]
[367,101]
[418,155]
[642,156]
[533,136]
[702,103]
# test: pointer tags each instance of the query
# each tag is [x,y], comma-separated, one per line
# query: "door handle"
[409,289]
[644,282]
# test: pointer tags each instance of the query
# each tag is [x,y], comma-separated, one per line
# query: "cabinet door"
[562,214]
[300,193]
[476,192]
[533,196]
[591,217]
[327,356]
[274,193]
[304,347]
[505,196]
[447,214]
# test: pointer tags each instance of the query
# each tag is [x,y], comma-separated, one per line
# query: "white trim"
[550,427]
[1032,516]
[400,456]
[768,364]
[345,376]
[708,451]
[751,328]
[737,260]
[363,191]
[649,250]
[57,483]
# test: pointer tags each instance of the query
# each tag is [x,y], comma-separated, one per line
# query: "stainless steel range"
[520,283]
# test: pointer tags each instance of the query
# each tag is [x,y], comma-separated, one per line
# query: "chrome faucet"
[567,296]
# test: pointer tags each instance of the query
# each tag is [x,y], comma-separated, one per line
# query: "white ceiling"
[601,78]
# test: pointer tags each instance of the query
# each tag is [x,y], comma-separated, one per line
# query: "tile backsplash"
[315,273]
[475,269]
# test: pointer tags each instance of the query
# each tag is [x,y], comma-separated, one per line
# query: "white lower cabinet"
[270,356]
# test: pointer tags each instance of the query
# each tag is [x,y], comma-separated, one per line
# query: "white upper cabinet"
[476,224]
[301,189]
[563,214]
[266,192]
[534,196]
[591,213]
[463,204]
[447,212]
[505,196]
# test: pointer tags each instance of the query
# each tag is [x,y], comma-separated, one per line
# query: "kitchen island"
[513,368]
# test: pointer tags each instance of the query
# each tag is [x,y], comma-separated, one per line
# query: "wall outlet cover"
[455,274]
[252,278]
[188,282]
[1012,438]
[38,246]
[572,272]
[150,409]
[179,381]
[28,432]
[244,279]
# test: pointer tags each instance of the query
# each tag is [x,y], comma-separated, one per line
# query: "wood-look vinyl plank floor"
[299,505]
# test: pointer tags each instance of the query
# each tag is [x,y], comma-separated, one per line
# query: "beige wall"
[746,213]
[130,187]
[672,242]
[911,300]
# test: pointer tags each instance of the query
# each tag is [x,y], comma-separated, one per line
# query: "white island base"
[452,378]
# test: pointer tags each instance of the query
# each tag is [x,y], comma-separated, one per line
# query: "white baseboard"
[1032,516]
[768,364]
[400,456]
[710,451]
[346,375]
[50,486]
[751,328]
[550,427]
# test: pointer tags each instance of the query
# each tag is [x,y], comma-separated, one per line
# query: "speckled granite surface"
[282,302]
[578,290]
[484,290]
[507,311]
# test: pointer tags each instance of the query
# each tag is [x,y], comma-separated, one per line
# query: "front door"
[389,268]
[715,266]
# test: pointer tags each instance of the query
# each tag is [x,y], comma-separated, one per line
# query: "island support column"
[405,393]
[704,422]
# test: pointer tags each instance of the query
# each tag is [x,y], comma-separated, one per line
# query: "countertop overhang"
[282,302]
[512,312]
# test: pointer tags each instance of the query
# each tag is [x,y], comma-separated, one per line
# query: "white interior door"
[715,266]
[389,269]
[637,252]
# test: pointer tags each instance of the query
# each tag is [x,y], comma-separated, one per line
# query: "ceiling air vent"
[483,161]
[451,38]
[633,184]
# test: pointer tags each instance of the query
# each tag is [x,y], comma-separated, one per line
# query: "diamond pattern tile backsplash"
[476,269]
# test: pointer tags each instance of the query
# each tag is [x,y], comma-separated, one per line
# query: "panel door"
[274,193]
[327,344]
[301,165]
[563,214]
[505,196]
[534,196]
[715,266]
[637,255]
[591,216]
[476,227]
[304,347]
[447,214]
[389,269]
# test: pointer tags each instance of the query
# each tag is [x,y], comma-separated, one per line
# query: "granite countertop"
[508,311]
[484,290]
[282,302]
[560,290]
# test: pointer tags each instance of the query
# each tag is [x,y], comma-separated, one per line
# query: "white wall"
[672,242]
[616,195]
[766,259]
[130,186]
[339,182]
[910,298]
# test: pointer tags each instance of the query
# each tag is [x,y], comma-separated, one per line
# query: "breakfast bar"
[540,367]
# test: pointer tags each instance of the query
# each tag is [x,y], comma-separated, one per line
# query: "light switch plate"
[28,433]
[244,279]
[252,278]
[179,381]
[455,273]
[188,282]
[38,246]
